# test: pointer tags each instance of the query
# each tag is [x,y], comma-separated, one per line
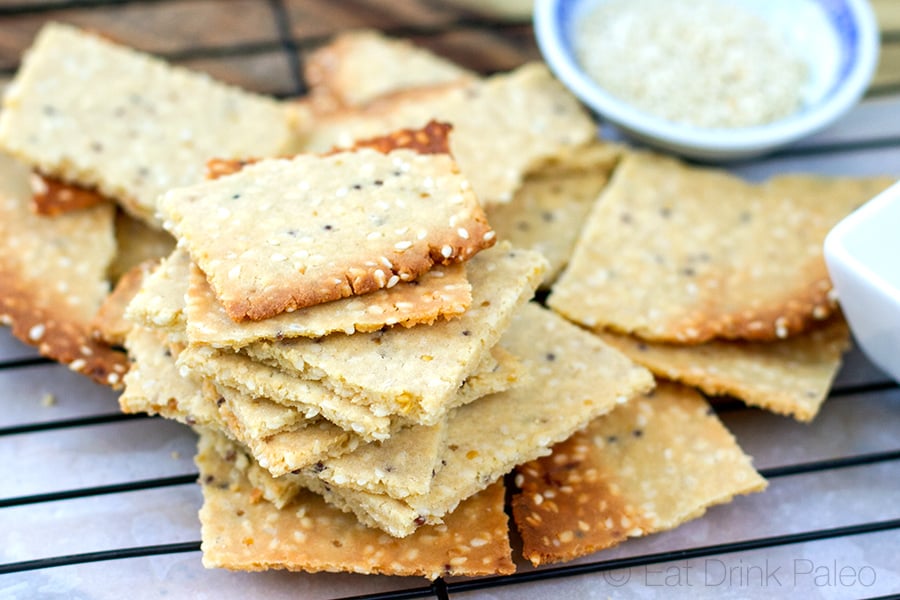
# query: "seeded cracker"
[359,66]
[285,234]
[308,535]
[53,277]
[488,437]
[160,303]
[547,212]
[648,466]
[685,254]
[440,292]
[93,113]
[504,125]
[416,372]
[789,377]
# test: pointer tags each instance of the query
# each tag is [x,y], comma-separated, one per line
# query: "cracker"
[357,67]
[648,466]
[686,254]
[488,437]
[240,533]
[160,303]
[53,277]
[102,116]
[407,463]
[154,386]
[280,235]
[546,215]
[789,377]
[416,373]
[286,451]
[503,126]
[441,292]
[110,324]
[51,197]
[137,243]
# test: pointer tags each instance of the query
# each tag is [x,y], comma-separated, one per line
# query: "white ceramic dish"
[863,257]
[839,40]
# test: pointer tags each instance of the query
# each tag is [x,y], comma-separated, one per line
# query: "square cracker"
[546,214]
[503,125]
[789,377]
[91,112]
[488,437]
[283,234]
[441,292]
[53,277]
[356,67]
[308,535]
[685,254]
[416,373]
[648,466]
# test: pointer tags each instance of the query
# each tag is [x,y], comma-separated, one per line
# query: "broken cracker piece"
[686,254]
[648,466]
[109,324]
[51,197]
[789,377]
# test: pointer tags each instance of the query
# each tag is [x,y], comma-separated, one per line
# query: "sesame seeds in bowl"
[712,79]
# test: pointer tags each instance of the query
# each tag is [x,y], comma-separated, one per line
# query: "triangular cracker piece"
[416,373]
[105,117]
[440,292]
[485,439]
[280,235]
[503,126]
[648,466]
[53,277]
[308,535]
[359,66]
[789,377]
[684,254]
[160,302]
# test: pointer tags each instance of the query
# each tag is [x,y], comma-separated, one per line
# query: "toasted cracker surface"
[650,465]
[488,437]
[53,277]
[416,372]
[110,324]
[357,67]
[686,254]
[503,126]
[280,235]
[103,116]
[789,377]
[52,197]
[441,292]
[308,535]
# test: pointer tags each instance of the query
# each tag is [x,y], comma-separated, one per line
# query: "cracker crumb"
[48,400]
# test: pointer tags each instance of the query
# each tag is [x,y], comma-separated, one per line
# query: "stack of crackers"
[336,293]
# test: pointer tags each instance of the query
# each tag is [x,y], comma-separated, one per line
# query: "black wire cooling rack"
[834,495]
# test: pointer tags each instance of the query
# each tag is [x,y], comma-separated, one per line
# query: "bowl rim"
[549,33]
[839,256]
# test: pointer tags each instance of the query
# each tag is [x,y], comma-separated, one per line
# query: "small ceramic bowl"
[863,257]
[838,39]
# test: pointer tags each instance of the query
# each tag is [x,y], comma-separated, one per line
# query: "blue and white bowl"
[837,38]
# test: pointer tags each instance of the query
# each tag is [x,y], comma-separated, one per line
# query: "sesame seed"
[77,364]
[489,235]
[374,235]
[463,233]
[234,272]
[394,280]
[37,332]
[404,245]
[279,257]
[446,251]
[112,378]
